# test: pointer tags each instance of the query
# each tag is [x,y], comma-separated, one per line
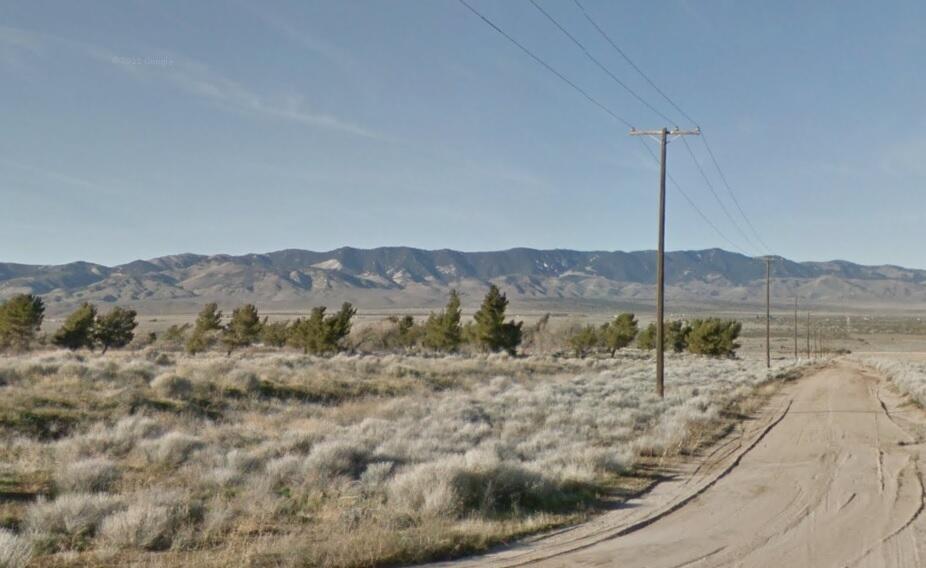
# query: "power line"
[733,195]
[611,113]
[691,202]
[642,100]
[546,65]
[632,64]
[601,65]
[710,186]
[688,117]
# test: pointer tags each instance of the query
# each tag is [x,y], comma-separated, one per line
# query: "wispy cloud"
[194,78]
[299,37]
[60,178]
[198,79]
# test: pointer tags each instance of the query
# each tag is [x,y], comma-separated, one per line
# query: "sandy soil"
[828,475]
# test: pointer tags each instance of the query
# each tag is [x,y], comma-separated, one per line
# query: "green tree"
[115,329]
[175,334]
[209,318]
[714,337]
[208,324]
[320,334]
[243,329]
[443,330]
[491,330]
[20,320]
[338,327]
[78,329]
[583,340]
[620,332]
[274,333]
[676,336]
[405,333]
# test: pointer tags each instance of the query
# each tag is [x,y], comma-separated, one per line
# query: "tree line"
[323,333]
[713,337]
[22,315]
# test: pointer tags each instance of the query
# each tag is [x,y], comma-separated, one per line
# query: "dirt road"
[829,476]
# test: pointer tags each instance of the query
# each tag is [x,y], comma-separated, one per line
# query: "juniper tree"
[175,334]
[274,334]
[115,329]
[320,334]
[443,331]
[491,330]
[620,332]
[714,337]
[78,329]
[209,318]
[583,340]
[676,336]
[243,329]
[338,327]
[20,320]
[208,323]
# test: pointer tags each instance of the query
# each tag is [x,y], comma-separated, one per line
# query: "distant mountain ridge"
[403,276]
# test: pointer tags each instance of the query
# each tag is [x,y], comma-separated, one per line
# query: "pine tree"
[620,332]
[443,330]
[584,340]
[243,329]
[338,327]
[676,336]
[115,329]
[491,331]
[714,337]
[208,323]
[274,334]
[321,334]
[209,318]
[20,320]
[78,329]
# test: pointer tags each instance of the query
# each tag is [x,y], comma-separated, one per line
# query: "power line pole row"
[768,310]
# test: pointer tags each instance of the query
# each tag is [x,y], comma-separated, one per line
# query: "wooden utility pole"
[808,335]
[768,310]
[795,328]
[663,135]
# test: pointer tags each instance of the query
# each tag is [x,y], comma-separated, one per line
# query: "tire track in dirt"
[803,490]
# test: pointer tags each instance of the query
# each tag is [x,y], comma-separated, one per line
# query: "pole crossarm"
[657,134]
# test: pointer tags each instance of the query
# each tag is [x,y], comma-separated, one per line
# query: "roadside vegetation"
[237,440]
[264,458]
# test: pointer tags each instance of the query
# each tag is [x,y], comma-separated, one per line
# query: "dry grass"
[279,459]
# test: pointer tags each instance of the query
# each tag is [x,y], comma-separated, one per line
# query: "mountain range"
[403,277]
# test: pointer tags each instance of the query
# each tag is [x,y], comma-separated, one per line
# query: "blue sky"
[138,129]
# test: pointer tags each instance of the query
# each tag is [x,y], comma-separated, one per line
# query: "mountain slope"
[408,277]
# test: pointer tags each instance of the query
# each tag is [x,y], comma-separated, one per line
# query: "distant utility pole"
[768,310]
[663,135]
[795,328]
[808,335]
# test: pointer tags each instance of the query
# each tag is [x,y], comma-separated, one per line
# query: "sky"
[139,129]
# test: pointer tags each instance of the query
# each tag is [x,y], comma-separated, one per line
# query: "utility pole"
[663,135]
[768,310]
[808,335]
[795,328]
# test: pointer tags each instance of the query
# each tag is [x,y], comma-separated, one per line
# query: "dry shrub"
[15,551]
[87,476]
[172,449]
[71,520]
[171,385]
[337,458]
[149,523]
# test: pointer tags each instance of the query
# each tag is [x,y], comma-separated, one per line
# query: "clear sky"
[138,129]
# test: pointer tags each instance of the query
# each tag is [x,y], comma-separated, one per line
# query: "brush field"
[275,459]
